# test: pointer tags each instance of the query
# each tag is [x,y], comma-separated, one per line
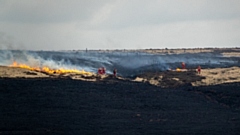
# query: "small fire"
[178,69]
[49,70]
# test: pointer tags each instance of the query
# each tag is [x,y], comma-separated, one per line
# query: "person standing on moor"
[199,69]
[115,72]
[183,65]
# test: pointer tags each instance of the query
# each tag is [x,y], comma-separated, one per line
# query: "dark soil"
[65,106]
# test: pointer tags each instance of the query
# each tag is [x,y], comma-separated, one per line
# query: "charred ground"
[113,106]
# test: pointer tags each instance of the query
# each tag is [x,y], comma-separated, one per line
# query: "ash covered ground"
[116,106]
[112,106]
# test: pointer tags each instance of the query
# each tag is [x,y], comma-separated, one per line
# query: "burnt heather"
[65,106]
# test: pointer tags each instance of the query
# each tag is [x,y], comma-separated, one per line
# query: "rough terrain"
[61,105]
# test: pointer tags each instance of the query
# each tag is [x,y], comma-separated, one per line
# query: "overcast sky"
[118,24]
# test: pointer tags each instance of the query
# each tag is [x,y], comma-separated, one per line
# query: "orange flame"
[49,70]
[178,69]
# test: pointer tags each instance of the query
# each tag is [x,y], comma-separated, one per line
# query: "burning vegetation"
[48,70]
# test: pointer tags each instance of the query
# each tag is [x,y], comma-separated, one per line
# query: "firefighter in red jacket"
[99,71]
[103,70]
[183,65]
[199,69]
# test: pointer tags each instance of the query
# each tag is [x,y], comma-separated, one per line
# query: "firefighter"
[99,71]
[183,65]
[115,72]
[199,69]
[103,70]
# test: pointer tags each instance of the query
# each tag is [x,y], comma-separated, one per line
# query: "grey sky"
[118,24]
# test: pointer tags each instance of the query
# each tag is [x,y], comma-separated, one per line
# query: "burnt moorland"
[113,106]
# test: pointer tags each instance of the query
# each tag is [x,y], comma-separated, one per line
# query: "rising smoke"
[128,63]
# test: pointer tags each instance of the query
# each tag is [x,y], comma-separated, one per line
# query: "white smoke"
[127,63]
